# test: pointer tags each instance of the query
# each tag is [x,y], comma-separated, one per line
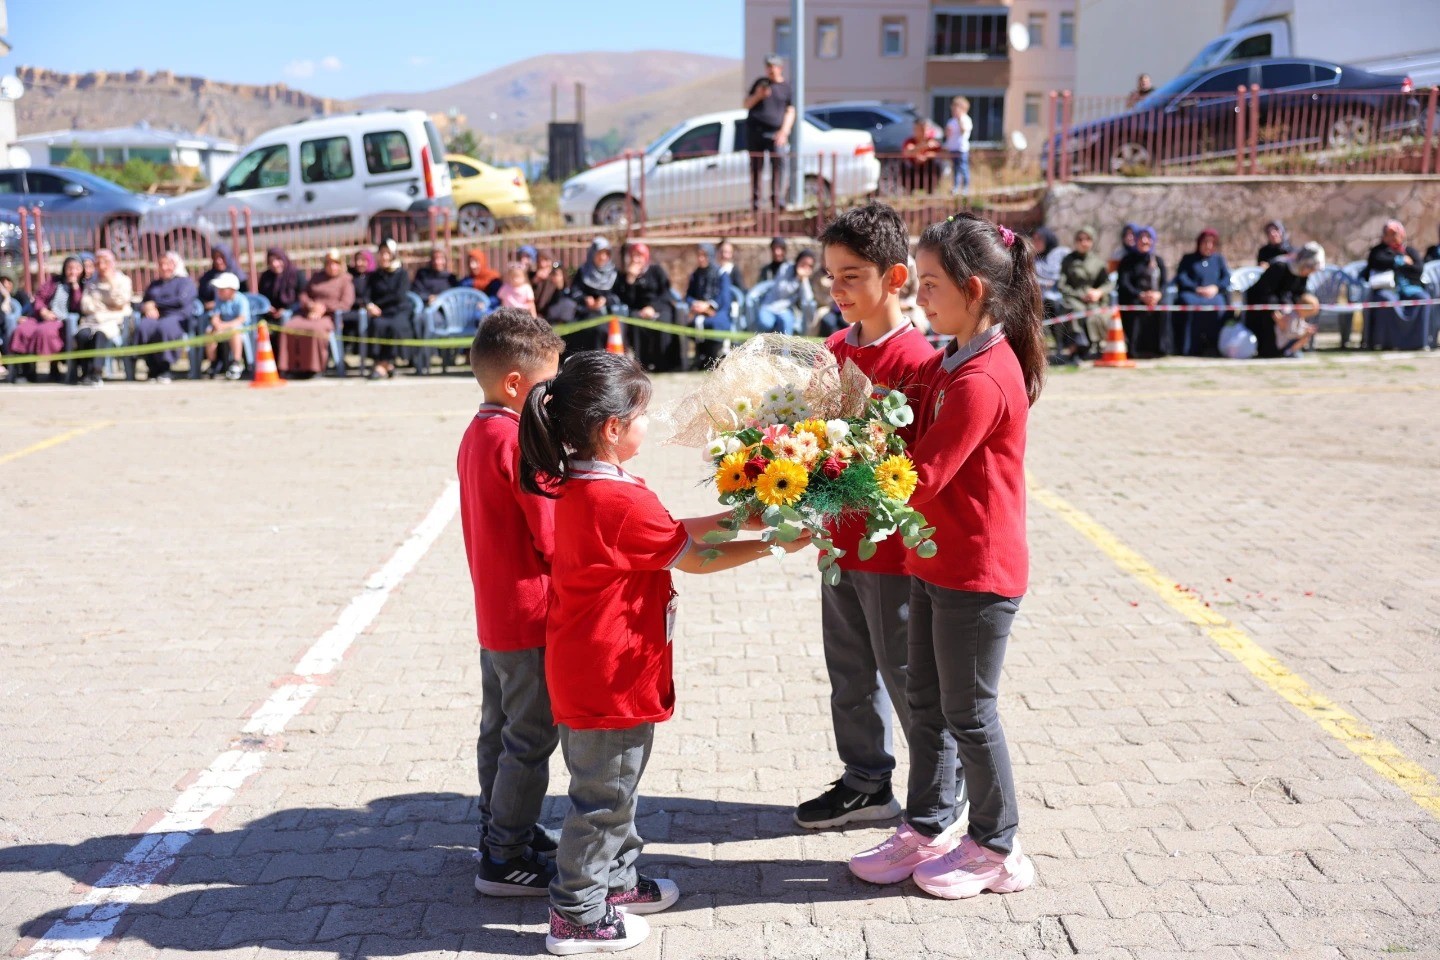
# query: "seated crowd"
[376,297]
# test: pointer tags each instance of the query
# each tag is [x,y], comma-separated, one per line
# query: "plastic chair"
[455,313]
[9,321]
[1430,277]
[751,307]
[1243,278]
[259,306]
[196,354]
[1327,285]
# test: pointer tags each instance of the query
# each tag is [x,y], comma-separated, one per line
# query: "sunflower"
[782,483]
[816,428]
[895,476]
[730,477]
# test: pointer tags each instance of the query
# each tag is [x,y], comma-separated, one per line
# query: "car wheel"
[122,236]
[476,220]
[614,211]
[1128,156]
[1348,131]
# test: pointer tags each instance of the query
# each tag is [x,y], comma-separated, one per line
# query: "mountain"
[519,93]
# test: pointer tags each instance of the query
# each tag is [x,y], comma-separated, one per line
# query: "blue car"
[12,258]
[79,211]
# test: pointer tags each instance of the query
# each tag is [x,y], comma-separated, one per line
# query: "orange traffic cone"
[1113,352]
[266,373]
[615,343]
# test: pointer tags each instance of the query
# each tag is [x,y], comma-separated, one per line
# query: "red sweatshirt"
[509,534]
[971,460]
[892,363]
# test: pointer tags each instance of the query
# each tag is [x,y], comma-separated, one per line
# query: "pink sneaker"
[902,854]
[970,869]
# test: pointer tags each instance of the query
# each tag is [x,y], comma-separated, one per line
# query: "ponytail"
[1020,312]
[563,417]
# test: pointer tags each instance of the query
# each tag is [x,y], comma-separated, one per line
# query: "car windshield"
[1203,58]
[665,137]
[1167,93]
[817,123]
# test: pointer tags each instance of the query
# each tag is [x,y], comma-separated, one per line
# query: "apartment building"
[927,51]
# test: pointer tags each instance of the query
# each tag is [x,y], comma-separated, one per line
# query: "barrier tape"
[129,350]
[1239,308]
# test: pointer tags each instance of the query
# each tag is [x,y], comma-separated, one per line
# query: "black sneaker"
[544,840]
[612,933]
[517,877]
[840,805]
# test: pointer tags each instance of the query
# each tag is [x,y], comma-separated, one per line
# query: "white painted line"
[85,926]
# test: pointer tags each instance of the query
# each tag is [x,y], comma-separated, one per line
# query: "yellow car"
[488,198]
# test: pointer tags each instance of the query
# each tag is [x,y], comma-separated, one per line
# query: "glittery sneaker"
[612,933]
[970,869]
[902,854]
[647,896]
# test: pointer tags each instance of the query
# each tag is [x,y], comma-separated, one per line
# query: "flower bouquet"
[802,444]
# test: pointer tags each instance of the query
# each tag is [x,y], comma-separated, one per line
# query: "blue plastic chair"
[455,313]
[1327,285]
[259,306]
[419,356]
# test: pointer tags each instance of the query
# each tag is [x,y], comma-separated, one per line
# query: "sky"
[346,50]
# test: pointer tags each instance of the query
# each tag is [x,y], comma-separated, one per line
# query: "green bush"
[138,175]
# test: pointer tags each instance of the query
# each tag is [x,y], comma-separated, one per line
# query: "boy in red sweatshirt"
[864,616]
[509,540]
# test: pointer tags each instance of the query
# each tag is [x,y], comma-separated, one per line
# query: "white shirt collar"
[852,335]
[488,411]
[955,356]
[598,470]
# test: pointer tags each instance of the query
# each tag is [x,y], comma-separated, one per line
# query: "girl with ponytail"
[977,284]
[607,637]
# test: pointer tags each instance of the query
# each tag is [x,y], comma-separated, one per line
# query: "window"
[1252,47]
[258,169]
[1067,30]
[987,113]
[783,41]
[387,152]
[160,155]
[892,37]
[10,182]
[827,39]
[460,170]
[324,160]
[45,183]
[740,127]
[971,35]
[1277,76]
[702,141]
[1036,24]
[1324,74]
[1223,82]
[1033,107]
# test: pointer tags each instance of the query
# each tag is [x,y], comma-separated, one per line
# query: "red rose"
[832,467]
[755,466]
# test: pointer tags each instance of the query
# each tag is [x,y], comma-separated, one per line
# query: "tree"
[608,144]
[464,142]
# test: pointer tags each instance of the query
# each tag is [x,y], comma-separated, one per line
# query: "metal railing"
[1247,132]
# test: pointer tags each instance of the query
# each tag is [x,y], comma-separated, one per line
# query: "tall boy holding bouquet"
[864,616]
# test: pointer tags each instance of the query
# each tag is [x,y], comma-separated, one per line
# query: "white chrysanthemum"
[715,449]
[733,445]
[836,431]
[743,407]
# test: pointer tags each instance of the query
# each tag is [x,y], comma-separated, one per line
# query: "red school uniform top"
[892,362]
[509,534]
[970,456]
[607,657]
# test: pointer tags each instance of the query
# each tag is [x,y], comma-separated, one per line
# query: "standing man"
[772,114]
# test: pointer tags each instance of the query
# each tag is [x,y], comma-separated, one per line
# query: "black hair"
[511,339]
[875,233]
[563,417]
[971,246]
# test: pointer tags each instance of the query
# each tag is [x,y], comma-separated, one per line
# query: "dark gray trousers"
[957,650]
[599,843]
[512,753]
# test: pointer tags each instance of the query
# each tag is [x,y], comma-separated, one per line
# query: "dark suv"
[1302,103]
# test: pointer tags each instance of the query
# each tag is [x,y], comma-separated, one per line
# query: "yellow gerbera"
[730,477]
[895,476]
[782,483]
[816,429]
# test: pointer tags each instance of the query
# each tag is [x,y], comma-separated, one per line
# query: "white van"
[326,181]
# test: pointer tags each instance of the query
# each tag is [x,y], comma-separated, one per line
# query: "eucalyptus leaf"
[927,550]
[718,536]
[832,576]
[865,550]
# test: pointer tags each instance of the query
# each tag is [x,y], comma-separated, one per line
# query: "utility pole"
[797,81]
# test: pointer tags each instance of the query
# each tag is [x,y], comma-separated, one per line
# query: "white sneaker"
[615,931]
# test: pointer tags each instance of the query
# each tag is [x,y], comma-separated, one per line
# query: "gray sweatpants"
[599,843]
[512,753]
[957,649]
[865,621]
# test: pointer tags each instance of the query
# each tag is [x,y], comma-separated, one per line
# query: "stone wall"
[1345,214]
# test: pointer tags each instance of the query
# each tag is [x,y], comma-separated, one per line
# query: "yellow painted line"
[54,441]
[1379,754]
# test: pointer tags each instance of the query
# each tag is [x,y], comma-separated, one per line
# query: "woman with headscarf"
[482,276]
[435,277]
[1141,280]
[327,294]
[1277,243]
[165,314]
[389,308]
[548,282]
[1084,287]
[104,305]
[1395,272]
[1127,244]
[709,301]
[785,305]
[89,264]
[593,291]
[1202,279]
[1283,282]
[644,288]
[280,284]
[221,261]
[43,331]
[1048,254]
[361,266]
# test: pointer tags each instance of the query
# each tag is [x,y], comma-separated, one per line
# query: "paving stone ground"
[159,573]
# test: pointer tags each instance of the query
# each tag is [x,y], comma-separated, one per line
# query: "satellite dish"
[11,88]
[1018,141]
[1019,37]
[18,157]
